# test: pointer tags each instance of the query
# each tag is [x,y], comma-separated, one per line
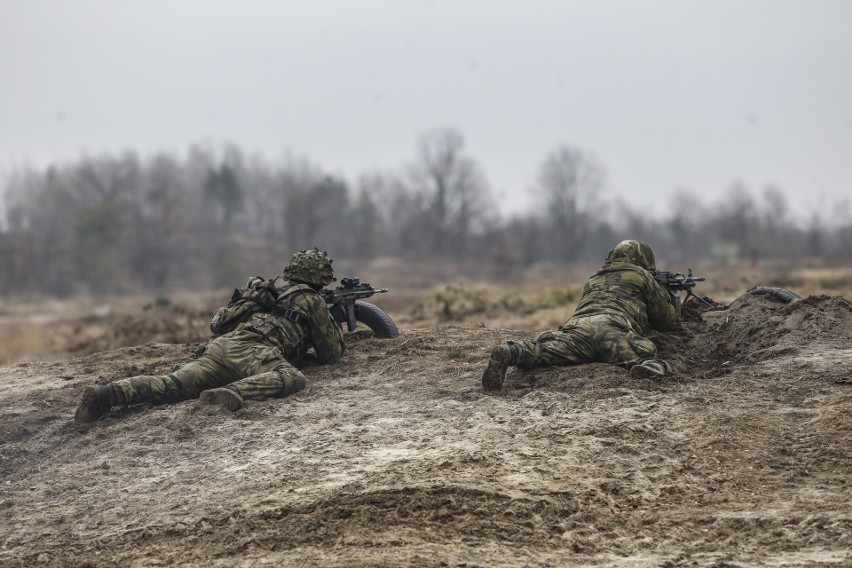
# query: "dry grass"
[21,341]
[423,294]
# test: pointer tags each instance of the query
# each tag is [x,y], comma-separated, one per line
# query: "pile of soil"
[171,323]
[755,329]
[741,457]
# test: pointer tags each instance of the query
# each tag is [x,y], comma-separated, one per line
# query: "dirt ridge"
[397,457]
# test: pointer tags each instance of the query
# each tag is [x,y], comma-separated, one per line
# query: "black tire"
[377,320]
[780,294]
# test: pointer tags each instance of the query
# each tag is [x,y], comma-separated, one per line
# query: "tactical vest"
[258,295]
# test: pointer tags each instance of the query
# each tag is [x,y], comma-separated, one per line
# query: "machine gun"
[675,282]
[346,305]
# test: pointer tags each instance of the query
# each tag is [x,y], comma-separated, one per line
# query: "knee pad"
[294,380]
[298,382]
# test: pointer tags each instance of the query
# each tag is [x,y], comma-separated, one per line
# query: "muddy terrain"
[395,457]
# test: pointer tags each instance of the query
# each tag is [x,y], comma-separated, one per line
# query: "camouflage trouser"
[603,338]
[239,360]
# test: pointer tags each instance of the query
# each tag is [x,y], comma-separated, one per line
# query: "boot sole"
[222,397]
[495,372]
[92,406]
[640,372]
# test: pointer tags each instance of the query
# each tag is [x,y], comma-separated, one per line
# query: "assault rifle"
[675,282]
[341,300]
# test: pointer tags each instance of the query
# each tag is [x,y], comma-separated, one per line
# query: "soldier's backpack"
[257,295]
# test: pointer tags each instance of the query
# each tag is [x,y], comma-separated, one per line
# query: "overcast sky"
[665,94]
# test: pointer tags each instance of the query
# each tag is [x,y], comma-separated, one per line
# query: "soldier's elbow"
[335,358]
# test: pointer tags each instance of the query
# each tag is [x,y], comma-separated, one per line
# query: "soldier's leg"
[499,361]
[208,371]
[211,370]
[280,381]
[269,375]
[95,402]
[646,364]
[147,388]
[620,345]
[569,345]
[186,382]
[99,399]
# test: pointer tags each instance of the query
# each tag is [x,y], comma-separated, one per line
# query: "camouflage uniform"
[250,361]
[620,304]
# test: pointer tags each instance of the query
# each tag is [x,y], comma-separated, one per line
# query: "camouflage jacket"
[630,291]
[307,323]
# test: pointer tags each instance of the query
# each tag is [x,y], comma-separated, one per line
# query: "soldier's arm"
[326,335]
[663,308]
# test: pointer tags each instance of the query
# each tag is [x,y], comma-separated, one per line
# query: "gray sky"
[666,94]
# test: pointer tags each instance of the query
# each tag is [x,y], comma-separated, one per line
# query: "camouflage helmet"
[635,252]
[310,267]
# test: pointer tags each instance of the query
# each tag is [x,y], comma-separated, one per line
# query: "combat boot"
[96,402]
[650,369]
[226,397]
[498,364]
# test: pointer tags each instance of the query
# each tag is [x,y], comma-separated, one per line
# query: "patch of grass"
[457,354]
[20,341]
[842,284]
[557,297]
[455,303]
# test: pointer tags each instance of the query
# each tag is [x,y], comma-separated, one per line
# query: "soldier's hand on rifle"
[338,313]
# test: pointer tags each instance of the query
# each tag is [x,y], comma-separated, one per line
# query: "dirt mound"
[396,457]
[172,323]
[758,328]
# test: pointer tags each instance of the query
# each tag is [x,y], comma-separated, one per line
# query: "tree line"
[119,223]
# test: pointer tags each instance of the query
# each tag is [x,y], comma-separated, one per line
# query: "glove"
[338,313]
[674,298]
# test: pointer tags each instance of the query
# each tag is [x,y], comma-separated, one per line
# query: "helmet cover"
[639,253]
[311,267]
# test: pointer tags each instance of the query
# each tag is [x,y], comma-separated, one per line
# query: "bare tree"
[367,224]
[843,230]
[455,192]
[571,182]
[316,213]
[816,236]
[735,223]
[113,223]
[776,228]
[686,226]
[158,250]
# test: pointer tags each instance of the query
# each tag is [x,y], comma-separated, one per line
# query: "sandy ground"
[395,457]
